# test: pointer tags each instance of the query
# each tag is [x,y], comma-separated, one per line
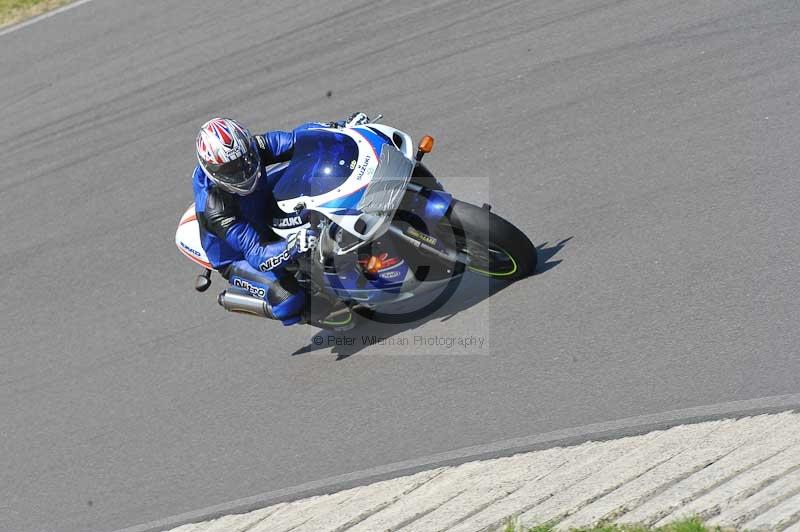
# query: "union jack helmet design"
[228,155]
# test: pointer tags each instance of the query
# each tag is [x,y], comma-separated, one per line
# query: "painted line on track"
[572,436]
[43,16]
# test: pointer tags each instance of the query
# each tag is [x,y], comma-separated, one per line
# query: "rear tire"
[496,248]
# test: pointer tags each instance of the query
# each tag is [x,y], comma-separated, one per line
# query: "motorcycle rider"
[233,184]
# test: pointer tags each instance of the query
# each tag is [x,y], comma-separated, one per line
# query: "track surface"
[662,136]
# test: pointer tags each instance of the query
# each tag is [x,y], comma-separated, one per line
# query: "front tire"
[496,248]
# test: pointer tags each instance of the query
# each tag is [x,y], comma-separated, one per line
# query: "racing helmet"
[228,155]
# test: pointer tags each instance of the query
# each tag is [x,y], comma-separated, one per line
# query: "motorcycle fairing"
[188,239]
[340,171]
[327,164]
[349,281]
[323,160]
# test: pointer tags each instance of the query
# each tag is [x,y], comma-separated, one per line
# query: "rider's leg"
[285,297]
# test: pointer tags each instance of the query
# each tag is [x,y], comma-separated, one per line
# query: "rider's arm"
[220,216]
[278,146]
[275,147]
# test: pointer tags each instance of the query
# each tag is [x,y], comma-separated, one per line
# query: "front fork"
[423,210]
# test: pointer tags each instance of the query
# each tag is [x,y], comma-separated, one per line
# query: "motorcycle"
[388,230]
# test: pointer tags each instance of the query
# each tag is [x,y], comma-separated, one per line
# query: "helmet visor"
[240,175]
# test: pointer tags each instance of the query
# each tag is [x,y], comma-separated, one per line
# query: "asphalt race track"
[649,146]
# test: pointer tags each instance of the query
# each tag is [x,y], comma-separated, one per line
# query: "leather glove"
[302,241]
[356,119]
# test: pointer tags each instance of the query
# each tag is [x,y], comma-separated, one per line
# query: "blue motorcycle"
[388,231]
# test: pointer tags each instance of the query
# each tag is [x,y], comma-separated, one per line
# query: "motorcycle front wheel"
[495,247]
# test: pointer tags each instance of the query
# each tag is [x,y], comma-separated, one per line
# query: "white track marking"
[34,20]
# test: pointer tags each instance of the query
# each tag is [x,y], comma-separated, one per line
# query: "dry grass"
[12,11]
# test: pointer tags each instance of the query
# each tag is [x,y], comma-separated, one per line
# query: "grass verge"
[686,525]
[12,11]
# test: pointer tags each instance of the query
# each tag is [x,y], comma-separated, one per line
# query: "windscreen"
[322,161]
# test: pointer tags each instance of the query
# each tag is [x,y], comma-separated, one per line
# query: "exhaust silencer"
[234,300]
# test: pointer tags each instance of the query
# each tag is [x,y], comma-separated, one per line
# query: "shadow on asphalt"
[546,253]
[470,290]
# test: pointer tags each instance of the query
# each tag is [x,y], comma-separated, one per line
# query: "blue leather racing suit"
[236,230]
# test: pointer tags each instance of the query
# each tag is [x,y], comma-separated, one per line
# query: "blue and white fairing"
[355,177]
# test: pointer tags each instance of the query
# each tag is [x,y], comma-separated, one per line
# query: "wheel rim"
[492,261]
[340,322]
